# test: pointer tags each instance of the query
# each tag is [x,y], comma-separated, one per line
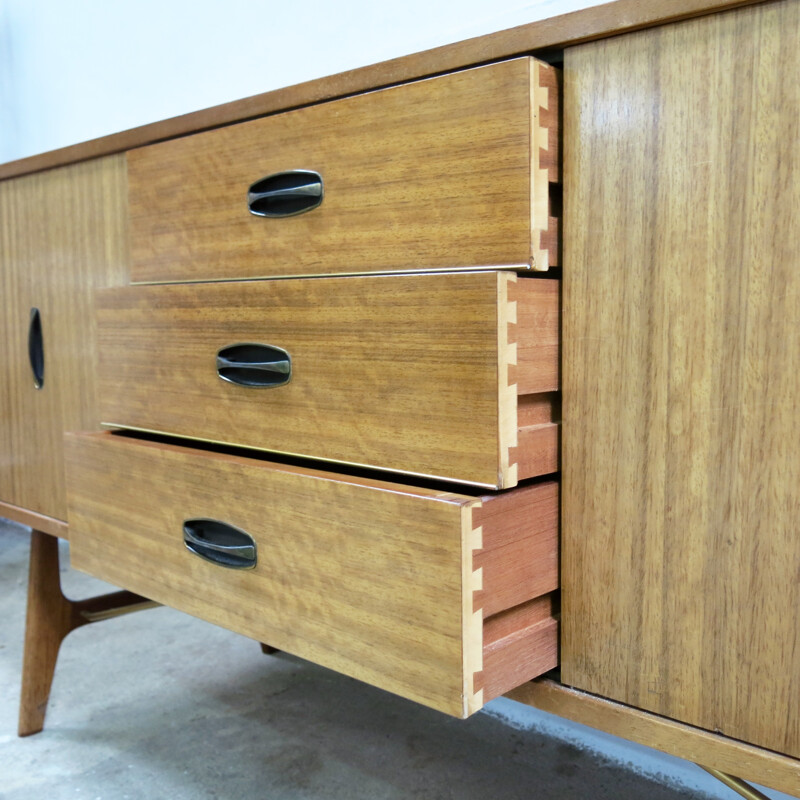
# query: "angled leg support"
[50,617]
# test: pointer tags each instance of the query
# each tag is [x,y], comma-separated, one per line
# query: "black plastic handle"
[256,366]
[36,348]
[285,194]
[220,543]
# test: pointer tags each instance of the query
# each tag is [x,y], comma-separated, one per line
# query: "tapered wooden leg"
[48,622]
[50,617]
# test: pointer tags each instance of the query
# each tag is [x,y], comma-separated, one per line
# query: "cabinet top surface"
[538,37]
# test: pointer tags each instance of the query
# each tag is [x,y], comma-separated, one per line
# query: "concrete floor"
[160,705]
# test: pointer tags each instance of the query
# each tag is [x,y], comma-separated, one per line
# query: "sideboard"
[471,373]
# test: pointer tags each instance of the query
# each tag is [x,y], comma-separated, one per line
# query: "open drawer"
[446,375]
[445,172]
[443,598]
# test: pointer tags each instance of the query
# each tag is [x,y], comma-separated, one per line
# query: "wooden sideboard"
[639,162]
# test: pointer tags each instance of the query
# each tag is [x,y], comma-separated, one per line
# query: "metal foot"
[737,784]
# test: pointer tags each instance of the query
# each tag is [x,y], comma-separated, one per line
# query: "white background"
[72,70]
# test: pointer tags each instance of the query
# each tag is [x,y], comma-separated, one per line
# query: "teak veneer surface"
[413,373]
[681,378]
[62,233]
[39,522]
[681,482]
[373,579]
[609,19]
[447,172]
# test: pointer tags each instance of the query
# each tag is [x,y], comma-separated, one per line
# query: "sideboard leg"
[47,623]
[737,784]
[268,649]
[50,617]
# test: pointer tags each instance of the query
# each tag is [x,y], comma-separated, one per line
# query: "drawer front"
[379,581]
[415,373]
[449,171]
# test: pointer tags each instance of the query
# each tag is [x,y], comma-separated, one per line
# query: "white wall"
[72,71]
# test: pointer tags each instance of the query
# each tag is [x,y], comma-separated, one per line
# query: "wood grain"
[518,556]
[518,643]
[609,19]
[537,409]
[536,452]
[432,174]
[513,575]
[545,142]
[682,373]
[536,333]
[50,617]
[693,744]
[49,620]
[62,233]
[366,577]
[395,372]
[39,522]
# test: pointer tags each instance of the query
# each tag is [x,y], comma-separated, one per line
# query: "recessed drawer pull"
[219,543]
[257,366]
[36,348]
[285,194]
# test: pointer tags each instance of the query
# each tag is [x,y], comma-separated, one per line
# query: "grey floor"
[160,705]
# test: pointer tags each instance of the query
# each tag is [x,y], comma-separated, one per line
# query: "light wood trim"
[472,617]
[62,233]
[506,390]
[681,470]
[428,175]
[684,741]
[39,522]
[593,23]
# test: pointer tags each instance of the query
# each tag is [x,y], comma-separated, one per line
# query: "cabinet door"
[681,492]
[62,233]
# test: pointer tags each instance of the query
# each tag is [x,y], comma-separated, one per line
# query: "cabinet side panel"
[64,232]
[681,492]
